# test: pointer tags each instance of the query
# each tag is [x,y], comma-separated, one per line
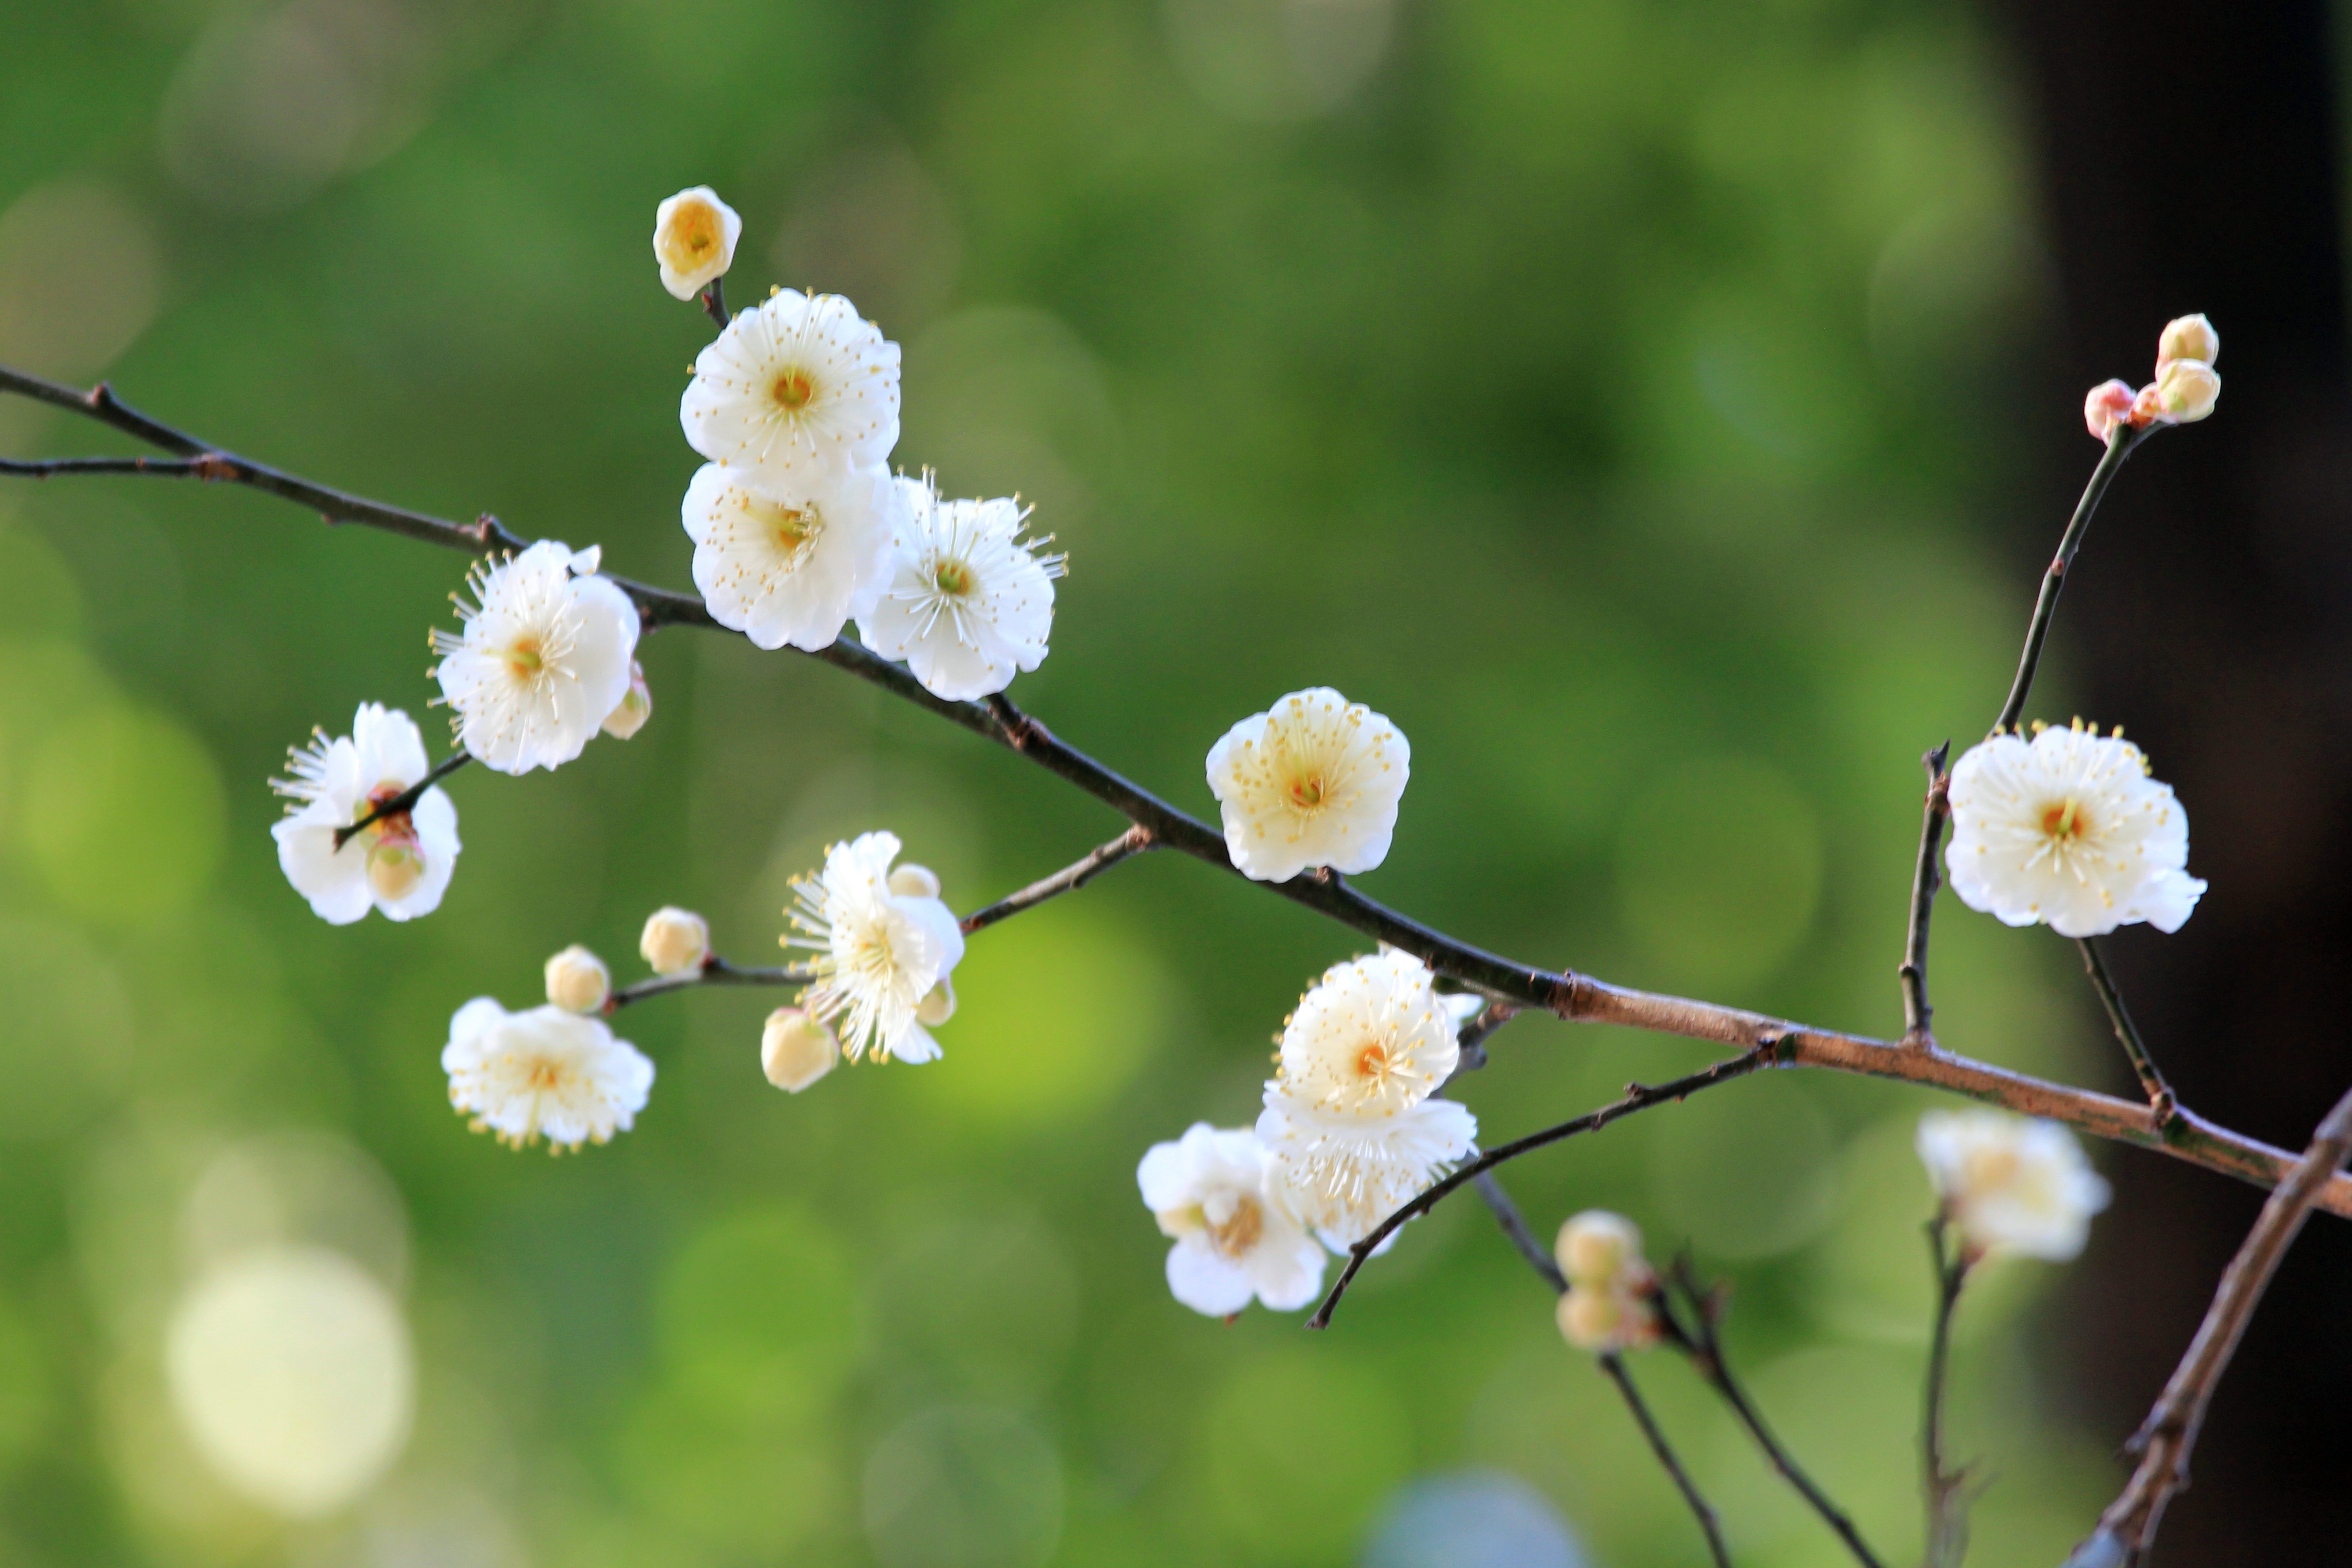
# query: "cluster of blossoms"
[1610,1300]
[2185,389]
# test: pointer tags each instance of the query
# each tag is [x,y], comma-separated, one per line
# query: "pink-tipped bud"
[2183,393]
[2187,337]
[2108,406]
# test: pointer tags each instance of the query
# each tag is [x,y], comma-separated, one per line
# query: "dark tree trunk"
[2190,163]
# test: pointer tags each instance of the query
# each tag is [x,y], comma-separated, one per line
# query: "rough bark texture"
[2191,162]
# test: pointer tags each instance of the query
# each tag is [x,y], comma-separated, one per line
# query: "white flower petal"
[790,561]
[545,1073]
[1314,780]
[541,660]
[794,385]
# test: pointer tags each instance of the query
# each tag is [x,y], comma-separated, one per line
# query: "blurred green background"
[1573,384]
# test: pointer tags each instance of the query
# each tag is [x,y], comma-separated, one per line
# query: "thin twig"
[1576,998]
[1134,841]
[1699,1339]
[1514,1226]
[714,302]
[405,800]
[2168,1435]
[1946,1496]
[2045,605]
[1638,1097]
[2161,1101]
[1613,1365]
[715,971]
[1925,881]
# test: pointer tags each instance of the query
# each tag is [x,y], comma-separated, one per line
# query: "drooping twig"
[1638,1097]
[1134,841]
[1514,1226]
[1613,1364]
[1946,1489]
[2168,1435]
[1696,1337]
[715,971]
[405,800]
[1925,881]
[2160,1100]
[1576,998]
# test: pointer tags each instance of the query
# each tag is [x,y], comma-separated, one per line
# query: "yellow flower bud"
[1596,1248]
[577,980]
[694,239]
[2183,392]
[675,941]
[395,866]
[2187,337]
[1591,1320]
[636,706]
[913,881]
[938,1006]
[795,1050]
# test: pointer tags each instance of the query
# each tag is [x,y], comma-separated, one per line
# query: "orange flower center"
[793,390]
[2066,819]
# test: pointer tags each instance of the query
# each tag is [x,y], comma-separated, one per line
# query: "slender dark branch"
[714,302]
[715,971]
[2162,1104]
[1698,1337]
[1613,1365]
[162,468]
[1134,841]
[2168,1435]
[1638,1097]
[405,800]
[1948,1521]
[1514,1226]
[2053,581]
[1576,998]
[1925,881]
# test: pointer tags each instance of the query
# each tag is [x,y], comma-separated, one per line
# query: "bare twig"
[1925,881]
[1946,1489]
[2168,1435]
[714,302]
[1614,1366]
[715,971]
[1134,841]
[1697,1338]
[2053,581]
[405,800]
[2160,1100]
[1514,1226]
[1573,996]
[1638,1097]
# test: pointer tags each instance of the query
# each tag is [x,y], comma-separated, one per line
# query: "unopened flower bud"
[795,1050]
[1596,1248]
[577,980]
[675,941]
[2187,337]
[694,239]
[2108,406]
[2182,393]
[938,1006]
[395,866]
[913,881]
[1592,1320]
[636,706]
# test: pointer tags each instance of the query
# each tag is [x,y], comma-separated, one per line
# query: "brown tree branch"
[1925,881]
[405,800]
[1516,1230]
[1613,1365]
[2168,1435]
[715,971]
[1570,995]
[1134,841]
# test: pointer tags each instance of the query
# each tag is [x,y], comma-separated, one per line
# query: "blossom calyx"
[577,981]
[675,942]
[694,239]
[795,1050]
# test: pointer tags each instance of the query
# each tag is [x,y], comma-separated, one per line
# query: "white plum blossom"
[400,863]
[796,385]
[970,601]
[1350,1127]
[2069,829]
[545,1073]
[879,953]
[543,660]
[1208,1191]
[694,239]
[1312,781]
[2011,1184]
[791,560]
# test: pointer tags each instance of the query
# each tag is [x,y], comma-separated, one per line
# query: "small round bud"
[1591,1320]
[1596,1248]
[2182,393]
[395,866]
[577,980]
[913,881]
[938,1006]
[2187,337]
[795,1050]
[636,706]
[694,239]
[2108,406]
[675,941]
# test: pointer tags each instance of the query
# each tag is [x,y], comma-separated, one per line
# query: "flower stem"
[1947,1523]
[1613,1365]
[2160,1097]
